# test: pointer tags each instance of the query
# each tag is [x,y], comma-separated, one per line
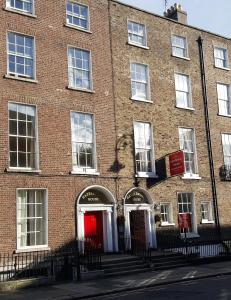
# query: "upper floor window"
[137,34]
[26,6]
[144,153]
[22,136]
[224,101]
[179,46]
[221,57]
[79,69]
[226,143]
[77,15]
[183,91]
[31,219]
[140,82]
[83,143]
[187,145]
[20,53]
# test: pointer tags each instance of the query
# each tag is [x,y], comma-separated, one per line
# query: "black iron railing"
[195,247]
[137,246]
[62,264]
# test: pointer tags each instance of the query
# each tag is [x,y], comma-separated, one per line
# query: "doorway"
[93,228]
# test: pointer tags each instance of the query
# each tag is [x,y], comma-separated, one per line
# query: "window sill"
[191,176]
[138,46]
[167,224]
[207,222]
[186,108]
[80,90]
[87,173]
[222,68]
[20,78]
[190,235]
[20,170]
[181,57]
[227,116]
[16,11]
[33,249]
[77,28]
[146,175]
[141,100]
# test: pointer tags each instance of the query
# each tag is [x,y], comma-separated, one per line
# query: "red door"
[93,227]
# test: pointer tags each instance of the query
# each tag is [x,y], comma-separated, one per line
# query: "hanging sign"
[176,163]
[184,221]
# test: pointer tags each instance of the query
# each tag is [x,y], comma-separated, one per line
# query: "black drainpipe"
[208,135]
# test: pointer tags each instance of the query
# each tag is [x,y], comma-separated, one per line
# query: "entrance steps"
[120,265]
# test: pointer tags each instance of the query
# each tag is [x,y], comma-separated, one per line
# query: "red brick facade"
[113,110]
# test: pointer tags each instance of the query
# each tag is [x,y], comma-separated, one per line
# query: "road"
[218,288]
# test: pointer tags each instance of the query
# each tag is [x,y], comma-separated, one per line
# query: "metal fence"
[62,264]
[137,246]
[196,247]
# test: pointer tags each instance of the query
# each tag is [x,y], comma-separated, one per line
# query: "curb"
[115,291]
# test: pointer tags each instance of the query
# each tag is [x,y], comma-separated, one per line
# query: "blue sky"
[211,15]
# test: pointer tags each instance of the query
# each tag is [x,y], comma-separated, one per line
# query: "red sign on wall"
[184,221]
[176,163]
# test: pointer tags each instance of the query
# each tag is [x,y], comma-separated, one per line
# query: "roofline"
[168,19]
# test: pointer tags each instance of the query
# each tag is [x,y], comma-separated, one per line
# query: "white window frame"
[228,101]
[17,75]
[227,136]
[130,42]
[70,67]
[73,15]
[209,220]
[147,82]
[25,169]
[186,56]
[169,214]
[9,7]
[226,60]
[85,171]
[191,175]
[146,174]
[194,232]
[35,247]
[189,93]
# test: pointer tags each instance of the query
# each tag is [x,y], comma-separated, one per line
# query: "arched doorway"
[96,217]
[139,218]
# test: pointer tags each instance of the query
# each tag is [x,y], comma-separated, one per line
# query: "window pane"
[22,136]
[136,33]
[82,140]
[31,219]
[77,15]
[20,55]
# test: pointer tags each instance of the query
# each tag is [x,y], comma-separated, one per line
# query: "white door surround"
[109,215]
[145,205]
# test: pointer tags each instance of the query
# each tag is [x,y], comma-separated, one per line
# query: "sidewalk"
[100,287]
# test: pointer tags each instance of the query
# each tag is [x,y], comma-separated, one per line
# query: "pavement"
[107,286]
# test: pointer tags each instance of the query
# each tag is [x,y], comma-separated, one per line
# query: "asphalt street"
[218,288]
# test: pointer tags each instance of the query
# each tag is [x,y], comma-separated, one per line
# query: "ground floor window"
[166,214]
[206,212]
[31,218]
[185,209]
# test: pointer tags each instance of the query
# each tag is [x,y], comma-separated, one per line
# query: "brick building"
[94,97]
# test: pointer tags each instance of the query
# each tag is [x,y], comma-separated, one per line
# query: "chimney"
[176,13]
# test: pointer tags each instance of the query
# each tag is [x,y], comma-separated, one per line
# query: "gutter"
[208,135]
